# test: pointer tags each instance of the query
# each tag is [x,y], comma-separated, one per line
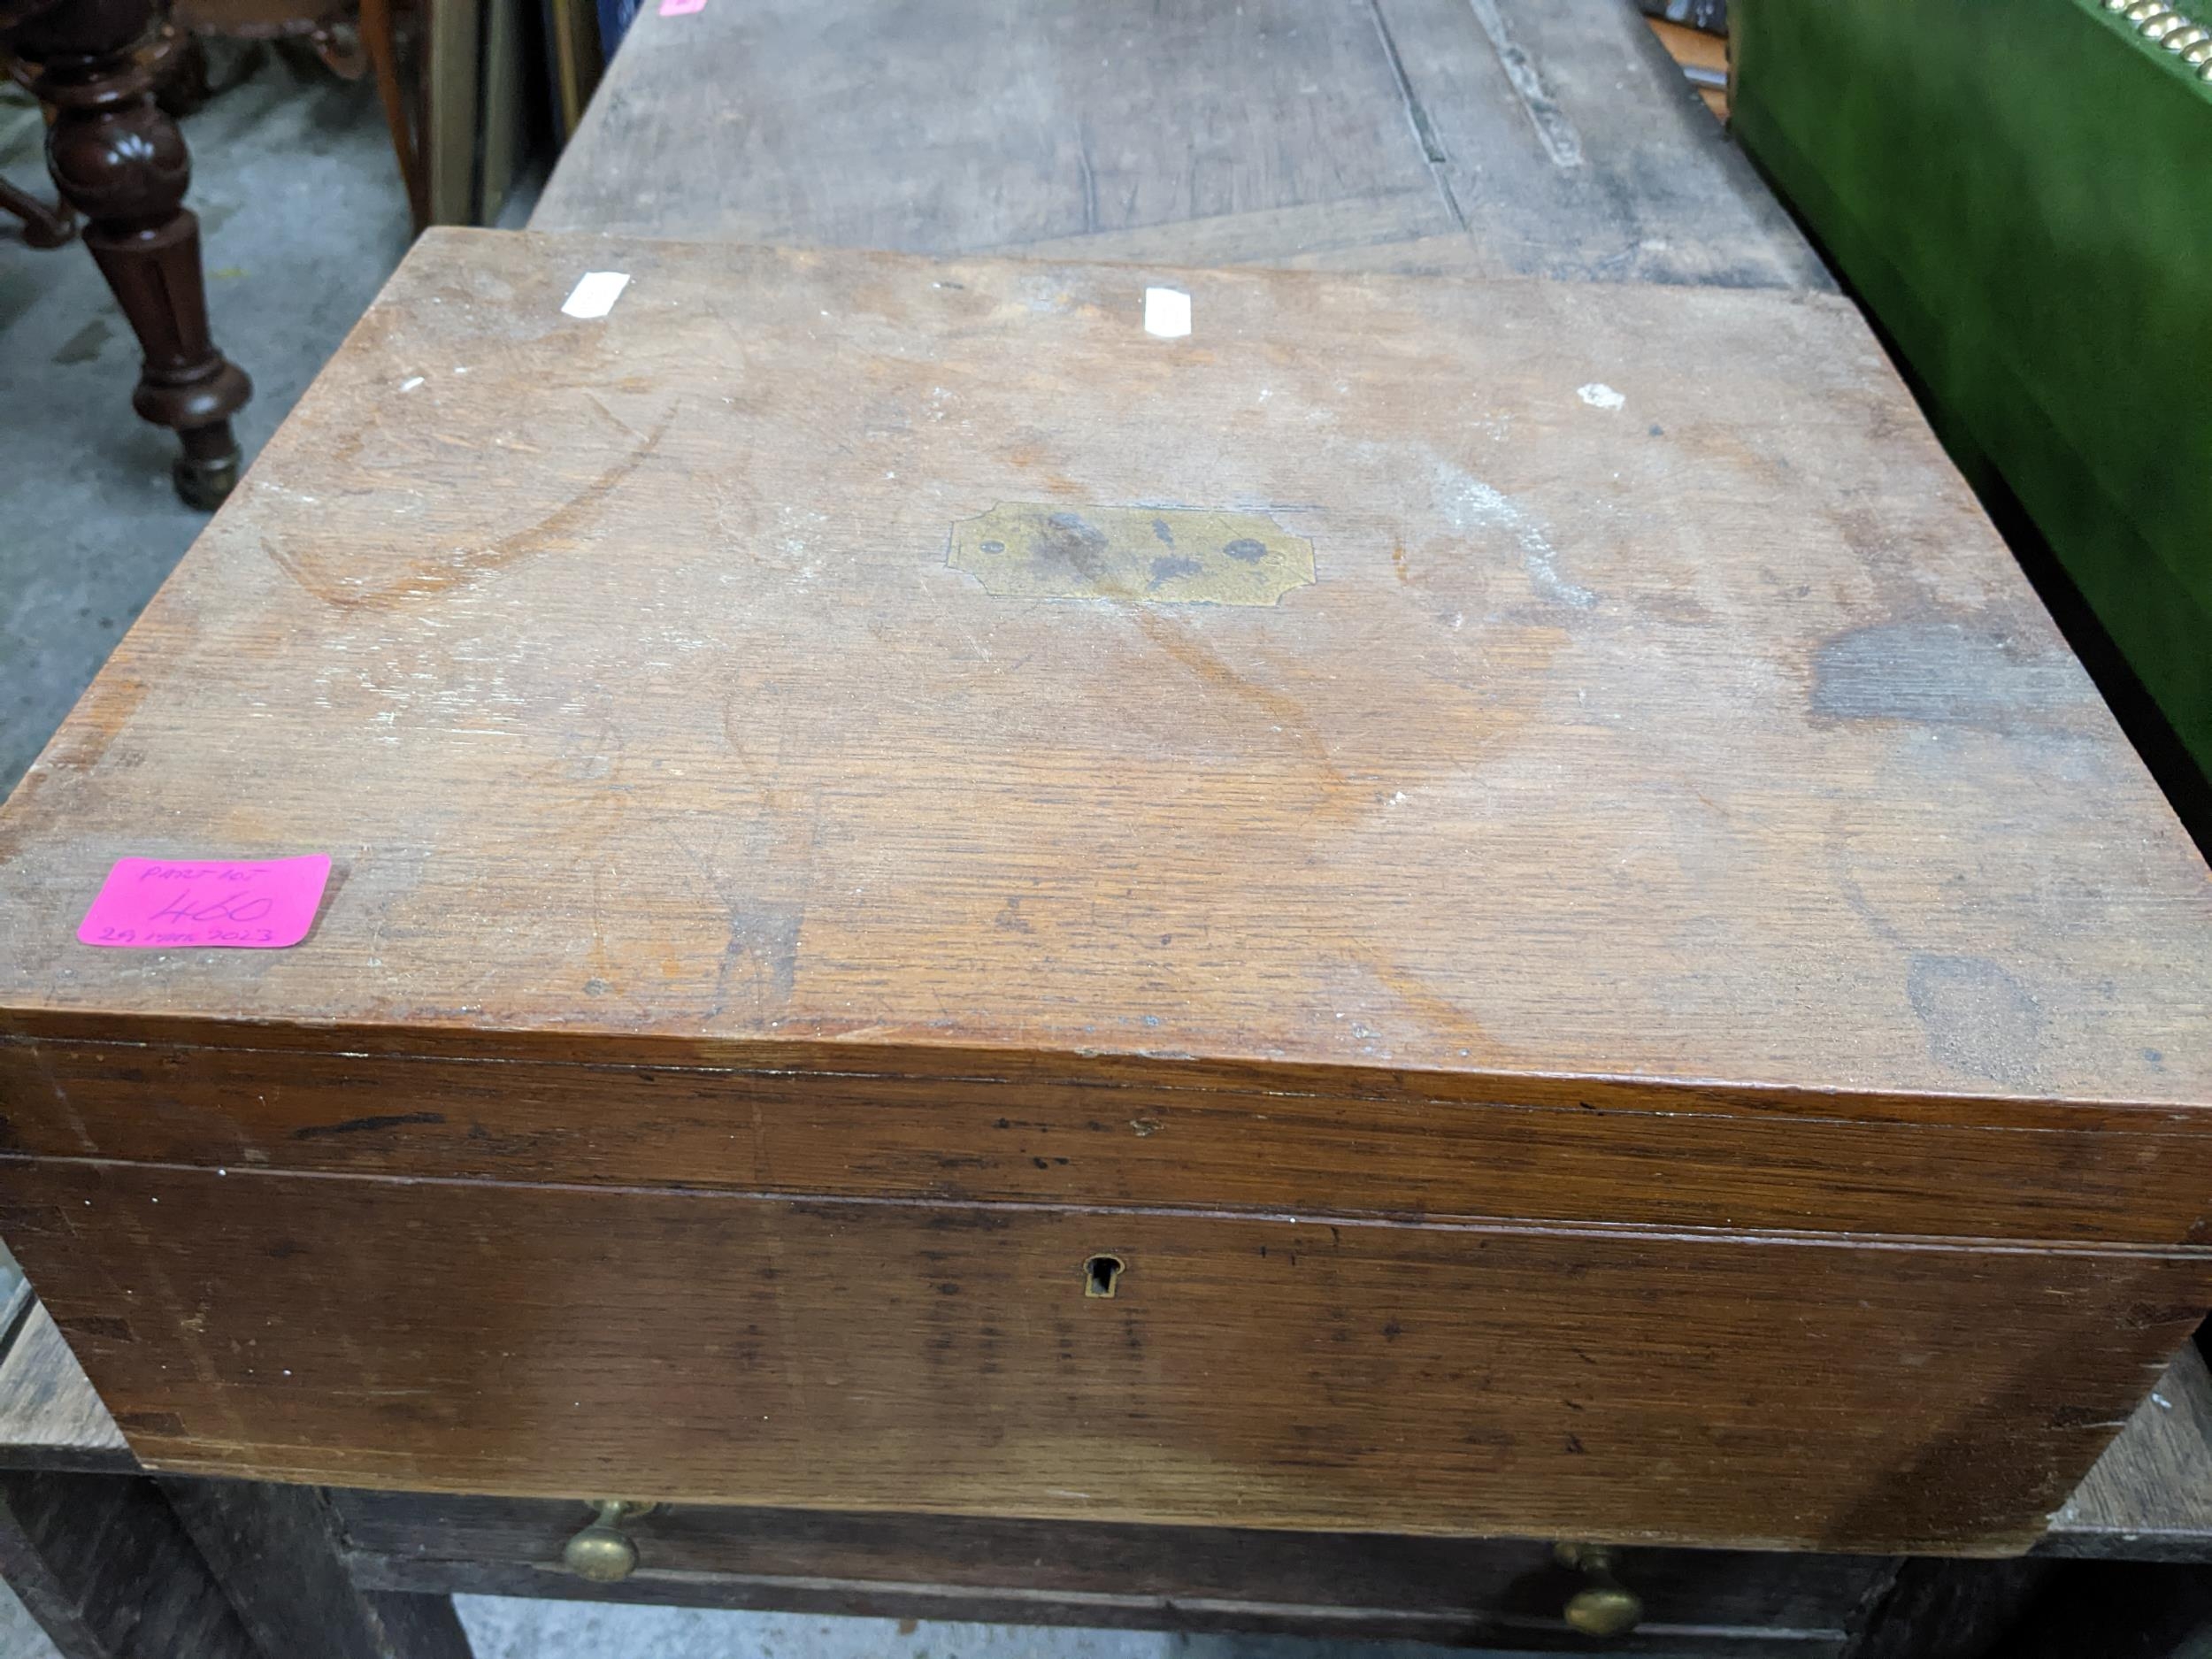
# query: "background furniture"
[1507,138]
[452,77]
[44,226]
[119,160]
[330,28]
[2046,285]
[115,74]
[350,36]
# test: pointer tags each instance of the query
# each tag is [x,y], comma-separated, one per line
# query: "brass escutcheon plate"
[1170,556]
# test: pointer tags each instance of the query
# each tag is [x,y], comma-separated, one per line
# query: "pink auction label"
[172,904]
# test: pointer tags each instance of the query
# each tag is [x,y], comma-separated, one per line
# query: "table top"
[827,659]
[1530,137]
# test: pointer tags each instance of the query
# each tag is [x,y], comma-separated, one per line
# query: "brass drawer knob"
[603,1552]
[1604,1606]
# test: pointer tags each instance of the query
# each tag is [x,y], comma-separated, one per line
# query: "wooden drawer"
[1508,1593]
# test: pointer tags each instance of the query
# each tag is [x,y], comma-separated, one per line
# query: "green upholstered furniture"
[2021,193]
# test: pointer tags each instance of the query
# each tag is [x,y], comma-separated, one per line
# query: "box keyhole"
[1100,1274]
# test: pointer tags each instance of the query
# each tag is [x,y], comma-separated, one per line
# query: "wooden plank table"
[1505,137]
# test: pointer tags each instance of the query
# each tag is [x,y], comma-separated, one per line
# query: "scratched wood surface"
[1712,738]
[2149,1497]
[51,1419]
[1582,1152]
[1537,137]
[108,1573]
[1331,1375]
[1652,837]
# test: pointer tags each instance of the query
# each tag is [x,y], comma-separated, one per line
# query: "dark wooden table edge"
[881,1598]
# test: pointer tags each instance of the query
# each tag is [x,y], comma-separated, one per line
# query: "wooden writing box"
[1439,907]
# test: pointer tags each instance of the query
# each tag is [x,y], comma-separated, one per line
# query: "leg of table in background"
[119,160]
[44,226]
[275,1550]
[379,39]
[102,1564]
[1948,1609]
[179,63]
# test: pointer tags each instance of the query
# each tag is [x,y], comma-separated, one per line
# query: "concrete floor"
[303,218]
[503,1627]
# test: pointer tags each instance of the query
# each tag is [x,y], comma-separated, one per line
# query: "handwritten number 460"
[233,908]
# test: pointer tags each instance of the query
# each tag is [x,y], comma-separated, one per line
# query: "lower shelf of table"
[1499,1592]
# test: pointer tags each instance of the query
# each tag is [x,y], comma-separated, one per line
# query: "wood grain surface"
[275,1550]
[1533,137]
[1661,900]
[1319,1373]
[49,1416]
[1741,1159]
[1714,737]
[103,1565]
[2149,1497]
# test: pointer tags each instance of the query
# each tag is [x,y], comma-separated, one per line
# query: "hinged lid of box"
[844,664]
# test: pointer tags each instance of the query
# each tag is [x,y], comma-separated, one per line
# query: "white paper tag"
[595,295]
[1166,312]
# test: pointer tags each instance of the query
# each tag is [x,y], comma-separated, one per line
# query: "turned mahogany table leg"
[120,162]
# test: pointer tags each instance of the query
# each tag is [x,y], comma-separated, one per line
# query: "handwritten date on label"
[174,903]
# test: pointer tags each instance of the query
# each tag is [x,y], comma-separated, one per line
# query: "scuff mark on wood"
[459,566]
[366,1125]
